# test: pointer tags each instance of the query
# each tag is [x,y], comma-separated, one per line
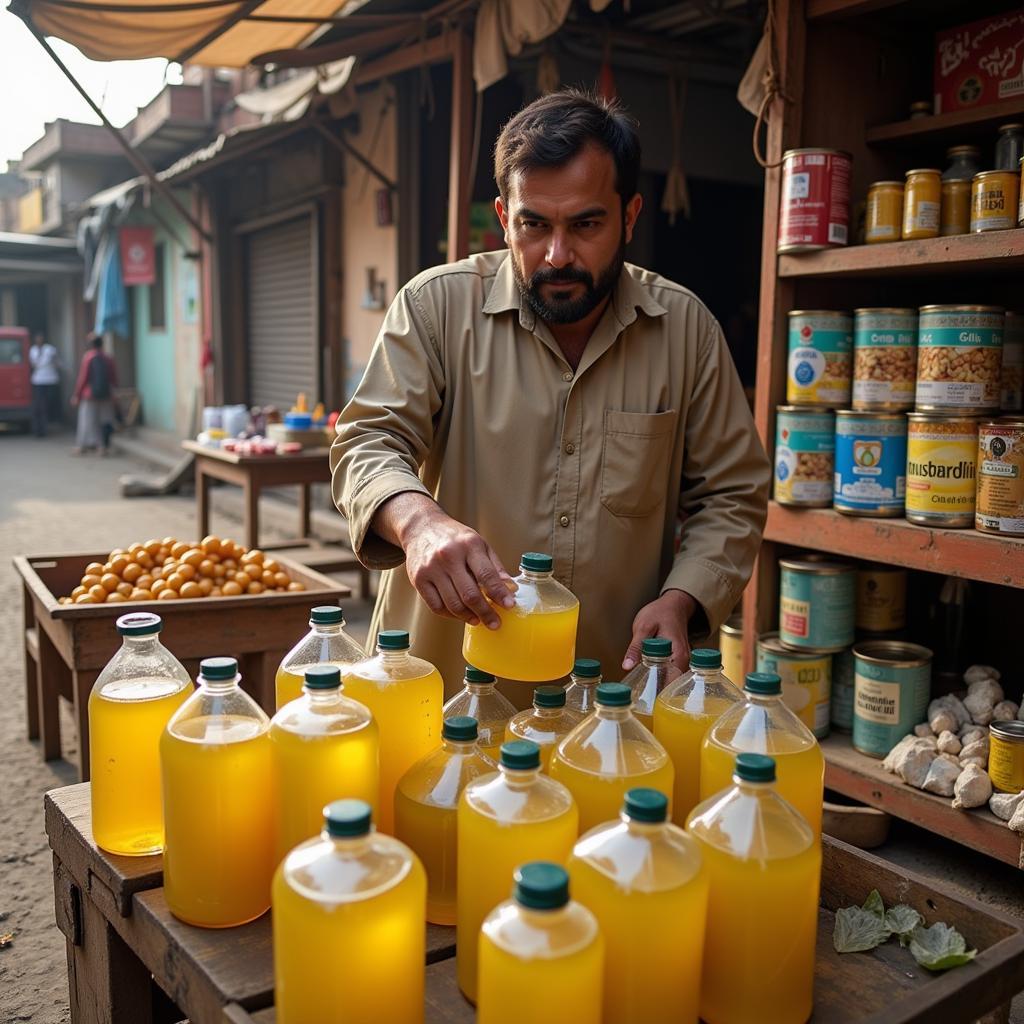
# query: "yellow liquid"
[126,721]
[681,734]
[218,812]
[546,733]
[532,648]
[647,721]
[408,714]
[288,682]
[431,832]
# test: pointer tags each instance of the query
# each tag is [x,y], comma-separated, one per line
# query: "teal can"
[892,687]
[817,604]
[842,690]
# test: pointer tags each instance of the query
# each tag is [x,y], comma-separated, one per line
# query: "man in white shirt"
[45,363]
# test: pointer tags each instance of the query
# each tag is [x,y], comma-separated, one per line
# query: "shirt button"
[564,520]
[567,376]
[569,449]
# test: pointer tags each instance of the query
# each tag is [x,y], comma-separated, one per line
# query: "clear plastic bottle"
[537,638]
[479,699]
[580,694]
[325,744]
[505,819]
[607,754]
[683,713]
[349,941]
[546,723]
[762,724]
[405,695]
[426,809]
[650,677]
[644,880]
[326,643]
[544,947]
[129,706]
[218,786]
[764,869]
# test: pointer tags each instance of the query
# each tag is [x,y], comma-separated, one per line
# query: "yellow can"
[994,198]
[1001,477]
[881,598]
[955,218]
[730,643]
[806,680]
[942,457]
[922,202]
[884,217]
[1006,756]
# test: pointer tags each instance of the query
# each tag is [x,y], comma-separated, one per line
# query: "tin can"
[883,219]
[1011,391]
[842,690]
[881,598]
[1006,756]
[884,358]
[942,458]
[995,196]
[820,358]
[959,359]
[955,216]
[871,463]
[815,205]
[805,444]
[806,680]
[892,686]
[816,604]
[730,643]
[922,202]
[1001,477]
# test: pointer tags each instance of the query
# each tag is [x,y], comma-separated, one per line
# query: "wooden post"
[460,188]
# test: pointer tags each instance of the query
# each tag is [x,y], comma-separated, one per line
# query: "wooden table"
[128,957]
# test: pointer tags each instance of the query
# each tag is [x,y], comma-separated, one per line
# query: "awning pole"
[340,142]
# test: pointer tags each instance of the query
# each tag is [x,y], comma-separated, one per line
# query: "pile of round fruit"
[170,569]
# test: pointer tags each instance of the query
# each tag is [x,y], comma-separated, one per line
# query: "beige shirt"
[467,398]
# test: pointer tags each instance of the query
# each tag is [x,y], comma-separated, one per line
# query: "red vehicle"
[15,374]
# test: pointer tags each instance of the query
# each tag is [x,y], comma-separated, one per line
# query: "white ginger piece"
[972,732]
[981,762]
[976,748]
[972,789]
[1005,711]
[942,721]
[1016,822]
[941,777]
[922,730]
[949,744]
[908,741]
[988,688]
[913,765]
[950,703]
[980,706]
[1003,805]
[978,672]
[951,758]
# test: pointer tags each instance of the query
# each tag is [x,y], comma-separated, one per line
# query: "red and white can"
[815,207]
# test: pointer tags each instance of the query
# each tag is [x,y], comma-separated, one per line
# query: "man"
[94,396]
[45,363]
[553,398]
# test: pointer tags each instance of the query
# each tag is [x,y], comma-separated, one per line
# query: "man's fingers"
[432,599]
[471,596]
[492,580]
[453,602]
[641,631]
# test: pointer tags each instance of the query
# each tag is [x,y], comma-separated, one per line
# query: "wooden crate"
[66,646]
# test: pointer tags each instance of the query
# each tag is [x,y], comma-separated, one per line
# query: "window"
[158,290]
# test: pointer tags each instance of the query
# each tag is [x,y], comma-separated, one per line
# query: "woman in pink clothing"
[94,396]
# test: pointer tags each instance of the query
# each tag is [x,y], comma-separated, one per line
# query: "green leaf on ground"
[902,920]
[874,905]
[858,930]
[940,947]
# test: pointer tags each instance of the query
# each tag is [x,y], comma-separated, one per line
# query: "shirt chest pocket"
[635,460]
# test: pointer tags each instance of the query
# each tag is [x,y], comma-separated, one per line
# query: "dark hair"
[95,339]
[555,128]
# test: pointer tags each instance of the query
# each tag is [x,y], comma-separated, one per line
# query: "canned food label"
[941,473]
[871,459]
[806,685]
[876,701]
[884,360]
[1006,764]
[960,359]
[820,356]
[800,183]
[925,217]
[993,203]
[816,610]
[889,700]
[795,618]
[815,204]
[1001,479]
[804,458]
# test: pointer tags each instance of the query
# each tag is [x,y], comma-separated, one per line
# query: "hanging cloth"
[676,198]
[761,84]
[504,26]
[111,296]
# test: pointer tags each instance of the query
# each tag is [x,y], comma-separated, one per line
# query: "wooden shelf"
[950,128]
[818,10]
[862,778]
[991,252]
[966,553]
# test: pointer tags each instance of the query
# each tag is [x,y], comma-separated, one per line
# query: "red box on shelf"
[980,63]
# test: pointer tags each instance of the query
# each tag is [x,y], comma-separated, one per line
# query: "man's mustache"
[566,275]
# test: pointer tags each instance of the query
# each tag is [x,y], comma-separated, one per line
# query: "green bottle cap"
[586,668]
[348,818]
[393,639]
[139,624]
[323,677]
[614,695]
[327,615]
[535,562]
[657,647]
[549,697]
[541,885]
[478,675]
[755,768]
[218,668]
[645,804]
[520,754]
[460,727]
[705,657]
[765,683]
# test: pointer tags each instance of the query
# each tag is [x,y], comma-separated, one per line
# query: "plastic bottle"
[129,706]
[479,699]
[607,754]
[506,818]
[405,695]
[683,713]
[537,638]
[349,941]
[544,947]
[762,724]
[218,799]
[324,744]
[580,694]
[650,677]
[644,880]
[326,643]
[764,869]
[546,723]
[426,809]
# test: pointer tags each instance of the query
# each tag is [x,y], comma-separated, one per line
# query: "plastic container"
[537,638]
[547,723]
[683,714]
[607,754]
[542,947]
[217,766]
[348,925]
[405,696]
[326,643]
[650,677]
[479,699]
[581,693]
[129,706]
[426,806]
[643,879]
[505,819]
[762,724]
[764,870]
[325,745]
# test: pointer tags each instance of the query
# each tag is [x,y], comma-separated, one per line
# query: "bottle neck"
[652,660]
[390,657]
[541,712]
[587,681]
[612,714]
[647,829]
[533,576]
[458,746]
[141,644]
[219,687]
[348,846]
[479,689]
[763,700]
[752,788]
[322,629]
[322,698]
[519,778]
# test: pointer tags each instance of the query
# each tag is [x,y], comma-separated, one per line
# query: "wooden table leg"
[305,509]
[82,687]
[48,672]
[258,669]
[251,517]
[202,500]
[31,669]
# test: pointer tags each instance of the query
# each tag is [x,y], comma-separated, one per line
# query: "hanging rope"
[771,87]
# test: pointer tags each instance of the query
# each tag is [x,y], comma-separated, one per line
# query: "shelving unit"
[948,128]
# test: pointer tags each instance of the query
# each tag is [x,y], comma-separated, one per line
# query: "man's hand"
[668,616]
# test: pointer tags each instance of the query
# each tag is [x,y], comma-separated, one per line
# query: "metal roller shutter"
[282,302]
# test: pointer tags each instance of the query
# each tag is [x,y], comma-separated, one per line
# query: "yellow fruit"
[243,579]
[124,589]
[168,542]
[190,591]
[94,569]
[167,595]
[210,544]
[131,572]
[109,582]
[253,557]
[141,594]
[177,550]
[159,586]
[99,593]
[230,564]
[255,587]
[216,592]
[85,599]
[295,585]
[115,598]
[267,579]
[281,579]
[78,591]
[219,572]
[193,556]
[144,559]
[205,585]
[206,567]
[90,579]
[145,581]
[270,565]
[175,581]
[231,589]
[186,571]
[152,547]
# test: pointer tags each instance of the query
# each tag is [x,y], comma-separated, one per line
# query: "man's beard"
[566,310]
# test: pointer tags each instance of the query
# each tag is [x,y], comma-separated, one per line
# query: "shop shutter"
[282,322]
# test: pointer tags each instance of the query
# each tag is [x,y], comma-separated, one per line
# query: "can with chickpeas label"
[820,357]
[942,455]
[884,358]
[1001,477]
[805,442]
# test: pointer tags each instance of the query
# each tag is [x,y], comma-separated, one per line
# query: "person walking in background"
[94,396]
[45,363]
